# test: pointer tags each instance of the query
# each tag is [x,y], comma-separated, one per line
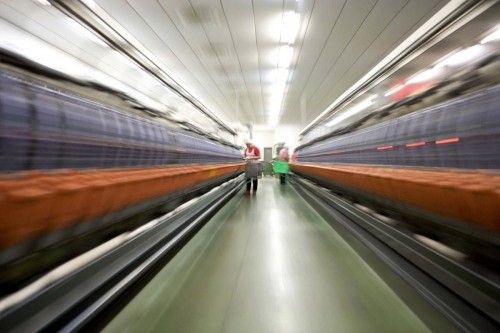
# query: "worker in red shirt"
[252,155]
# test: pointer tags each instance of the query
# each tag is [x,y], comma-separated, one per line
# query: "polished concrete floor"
[266,263]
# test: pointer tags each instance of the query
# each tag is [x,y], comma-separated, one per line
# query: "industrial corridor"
[267,263]
[129,129]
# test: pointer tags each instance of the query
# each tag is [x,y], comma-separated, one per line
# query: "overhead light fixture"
[290,27]
[461,57]
[275,105]
[495,35]
[44,2]
[285,54]
[281,75]
[276,100]
[275,112]
[278,89]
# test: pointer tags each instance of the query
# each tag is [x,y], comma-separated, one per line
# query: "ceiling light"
[290,27]
[281,75]
[276,99]
[275,112]
[275,105]
[278,89]
[44,2]
[461,57]
[495,35]
[285,54]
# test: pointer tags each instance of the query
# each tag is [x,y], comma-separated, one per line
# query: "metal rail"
[465,298]
[72,302]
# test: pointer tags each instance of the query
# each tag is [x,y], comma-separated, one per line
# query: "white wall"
[263,137]
[288,134]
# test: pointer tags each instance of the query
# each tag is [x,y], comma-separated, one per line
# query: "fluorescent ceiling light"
[461,57]
[290,27]
[285,54]
[44,2]
[281,75]
[495,35]
[276,100]
[278,89]
[275,103]
[274,112]
[83,31]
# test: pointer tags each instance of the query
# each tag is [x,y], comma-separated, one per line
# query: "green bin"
[280,167]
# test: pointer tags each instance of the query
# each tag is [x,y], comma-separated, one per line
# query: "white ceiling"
[223,52]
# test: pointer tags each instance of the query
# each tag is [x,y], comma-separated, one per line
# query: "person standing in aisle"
[251,155]
[283,157]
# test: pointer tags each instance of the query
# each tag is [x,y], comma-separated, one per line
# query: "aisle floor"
[266,263]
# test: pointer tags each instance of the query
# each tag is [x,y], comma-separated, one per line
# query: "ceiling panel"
[346,66]
[347,17]
[159,29]
[241,22]
[363,34]
[223,52]
[375,39]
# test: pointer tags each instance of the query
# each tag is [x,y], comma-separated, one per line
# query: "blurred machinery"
[75,171]
[462,133]
[89,173]
[43,128]
[435,168]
